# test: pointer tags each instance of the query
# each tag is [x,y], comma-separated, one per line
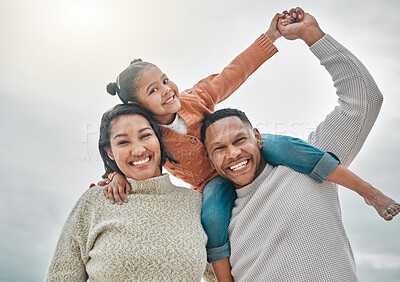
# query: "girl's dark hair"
[126,83]
[105,129]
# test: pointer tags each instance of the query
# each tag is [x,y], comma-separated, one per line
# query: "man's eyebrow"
[216,144]
[240,134]
[219,143]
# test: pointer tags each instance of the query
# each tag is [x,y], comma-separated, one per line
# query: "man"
[285,226]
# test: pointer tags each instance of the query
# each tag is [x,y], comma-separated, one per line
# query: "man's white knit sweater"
[156,236]
[287,227]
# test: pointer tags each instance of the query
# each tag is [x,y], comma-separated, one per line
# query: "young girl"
[180,116]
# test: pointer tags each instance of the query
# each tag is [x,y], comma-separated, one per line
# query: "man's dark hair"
[220,114]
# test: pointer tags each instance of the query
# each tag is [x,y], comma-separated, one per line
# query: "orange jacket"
[199,102]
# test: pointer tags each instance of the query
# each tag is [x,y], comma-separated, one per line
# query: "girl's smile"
[157,94]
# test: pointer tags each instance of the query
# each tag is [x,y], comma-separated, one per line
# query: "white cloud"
[380,261]
[53,77]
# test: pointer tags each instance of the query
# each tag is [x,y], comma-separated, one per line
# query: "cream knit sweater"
[156,236]
[286,227]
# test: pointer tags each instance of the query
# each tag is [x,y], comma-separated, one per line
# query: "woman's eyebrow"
[145,128]
[124,134]
[119,135]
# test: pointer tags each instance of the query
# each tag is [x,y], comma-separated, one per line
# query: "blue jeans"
[219,194]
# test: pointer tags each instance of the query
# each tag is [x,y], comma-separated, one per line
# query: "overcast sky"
[57,57]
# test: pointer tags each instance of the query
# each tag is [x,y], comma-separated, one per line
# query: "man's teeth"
[140,161]
[238,166]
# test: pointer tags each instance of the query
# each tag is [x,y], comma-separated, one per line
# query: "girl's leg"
[304,158]
[386,207]
[298,155]
[218,198]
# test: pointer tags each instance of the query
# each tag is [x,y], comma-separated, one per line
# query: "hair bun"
[112,88]
[136,61]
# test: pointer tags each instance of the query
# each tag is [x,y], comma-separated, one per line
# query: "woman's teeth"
[238,166]
[141,161]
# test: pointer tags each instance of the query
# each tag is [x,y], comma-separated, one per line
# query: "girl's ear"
[110,155]
[257,135]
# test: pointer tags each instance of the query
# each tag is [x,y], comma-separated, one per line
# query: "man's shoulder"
[280,175]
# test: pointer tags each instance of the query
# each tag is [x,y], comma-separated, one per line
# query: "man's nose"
[233,152]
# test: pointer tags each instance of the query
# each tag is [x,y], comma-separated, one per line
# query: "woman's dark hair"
[105,129]
[126,83]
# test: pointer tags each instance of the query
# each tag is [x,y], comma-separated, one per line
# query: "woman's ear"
[110,155]
[257,135]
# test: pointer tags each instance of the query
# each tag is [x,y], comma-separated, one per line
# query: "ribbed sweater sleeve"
[346,128]
[218,87]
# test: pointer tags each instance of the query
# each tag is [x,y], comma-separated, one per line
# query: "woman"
[156,236]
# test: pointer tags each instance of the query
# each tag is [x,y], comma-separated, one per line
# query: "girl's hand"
[273,31]
[294,15]
[286,18]
[117,189]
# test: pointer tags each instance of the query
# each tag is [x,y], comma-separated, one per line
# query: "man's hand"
[305,28]
[294,15]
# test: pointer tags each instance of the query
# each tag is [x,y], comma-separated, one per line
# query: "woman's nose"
[138,150]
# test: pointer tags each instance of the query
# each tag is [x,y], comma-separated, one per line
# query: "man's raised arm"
[345,129]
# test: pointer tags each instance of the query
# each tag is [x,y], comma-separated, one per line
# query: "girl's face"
[135,147]
[157,94]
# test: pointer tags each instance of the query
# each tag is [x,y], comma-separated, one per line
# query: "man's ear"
[110,155]
[133,103]
[257,135]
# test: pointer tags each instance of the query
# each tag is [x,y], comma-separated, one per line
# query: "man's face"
[234,150]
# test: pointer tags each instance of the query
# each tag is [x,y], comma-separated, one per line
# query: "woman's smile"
[135,147]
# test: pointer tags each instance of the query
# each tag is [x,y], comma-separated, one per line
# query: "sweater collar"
[155,185]
[250,188]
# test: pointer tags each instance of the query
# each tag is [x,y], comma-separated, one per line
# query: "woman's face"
[135,147]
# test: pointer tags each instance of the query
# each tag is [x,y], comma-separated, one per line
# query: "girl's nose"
[166,90]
